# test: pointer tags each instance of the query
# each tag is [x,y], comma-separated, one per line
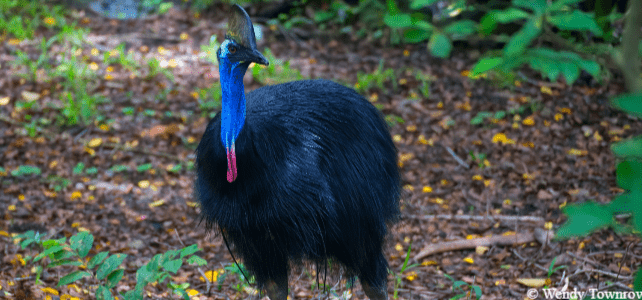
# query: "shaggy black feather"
[317,179]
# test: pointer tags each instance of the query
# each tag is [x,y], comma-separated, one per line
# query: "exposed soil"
[555,152]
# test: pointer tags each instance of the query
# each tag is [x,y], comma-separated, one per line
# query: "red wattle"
[231,165]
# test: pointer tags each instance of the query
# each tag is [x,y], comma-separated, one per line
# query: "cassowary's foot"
[375,293]
[277,291]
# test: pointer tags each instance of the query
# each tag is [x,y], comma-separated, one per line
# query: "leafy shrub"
[104,268]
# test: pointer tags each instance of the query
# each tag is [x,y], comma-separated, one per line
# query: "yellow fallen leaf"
[49,290]
[546,90]
[4,101]
[143,184]
[95,142]
[481,249]
[30,96]
[469,260]
[533,282]
[157,203]
[211,276]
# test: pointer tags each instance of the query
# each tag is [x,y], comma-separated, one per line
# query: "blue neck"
[233,110]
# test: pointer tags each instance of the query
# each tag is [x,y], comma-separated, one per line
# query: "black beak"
[258,58]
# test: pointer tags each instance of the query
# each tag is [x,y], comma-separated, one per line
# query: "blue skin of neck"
[233,110]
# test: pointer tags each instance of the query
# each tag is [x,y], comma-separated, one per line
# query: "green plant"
[20,18]
[105,269]
[458,287]
[415,27]
[79,105]
[33,66]
[399,275]
[240,271]
[552,268]
[365,81]
[539,18]
[277,72]
[57,183]
[478,158]
[209,99]
[25,170]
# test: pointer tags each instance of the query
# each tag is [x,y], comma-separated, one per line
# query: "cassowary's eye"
[232,49]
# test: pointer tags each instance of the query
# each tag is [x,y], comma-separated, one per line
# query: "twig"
[459,160]
[616,284]
[583,259]
[509,240]
[480,218]
[610,274]
[207,280]
[524,259]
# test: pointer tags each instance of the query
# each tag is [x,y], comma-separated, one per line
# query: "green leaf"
[114,277]
[440,45]
[627,202]
[499,115]
[398,20]
[65,262]
[323,16]
[414,35]
[97,259]
[629,174]
[143,167]
[110,265]
[103,293]
[490,20]
[570,71]
[523,38]
[72,277]
[26,170]
[461,28]
[478,291]
[576,20]
[418,4]
[82,243]
[486,64]
[584,219]
[189,250]
[195,259]
[537,6]
[393,9]
[173,265]
[628,148]
[144,275]
[558,5]
[51,250]
[591,67]
[630,103]
[78,168]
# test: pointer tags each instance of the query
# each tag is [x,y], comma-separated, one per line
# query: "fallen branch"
[481,218]
[538,235]
[457,158]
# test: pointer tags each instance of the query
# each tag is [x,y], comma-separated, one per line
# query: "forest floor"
[509,176]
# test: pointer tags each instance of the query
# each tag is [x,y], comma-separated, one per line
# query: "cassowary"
[304,170]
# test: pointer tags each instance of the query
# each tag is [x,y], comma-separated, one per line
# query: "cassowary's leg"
[374,277]
[277,289]
[272,275]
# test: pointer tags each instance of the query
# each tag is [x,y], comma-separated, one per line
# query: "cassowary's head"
[239,46]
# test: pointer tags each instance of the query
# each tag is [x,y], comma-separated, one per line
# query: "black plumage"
[315,177]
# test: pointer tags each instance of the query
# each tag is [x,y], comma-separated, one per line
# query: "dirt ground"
[552,151]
